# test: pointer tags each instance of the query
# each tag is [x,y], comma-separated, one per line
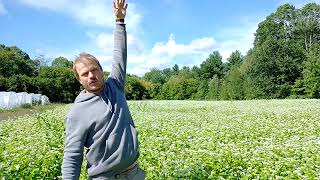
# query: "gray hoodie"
[103,124]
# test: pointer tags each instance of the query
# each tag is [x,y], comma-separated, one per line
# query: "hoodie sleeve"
[119,62]
[73,151]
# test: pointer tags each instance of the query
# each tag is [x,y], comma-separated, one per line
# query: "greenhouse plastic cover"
[9,100]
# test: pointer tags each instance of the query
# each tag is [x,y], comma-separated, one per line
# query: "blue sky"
[161,33]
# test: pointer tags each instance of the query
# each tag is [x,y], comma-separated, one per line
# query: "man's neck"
[97,92]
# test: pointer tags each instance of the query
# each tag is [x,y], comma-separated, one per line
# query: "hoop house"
[23,98]
[9,100]
[44,100]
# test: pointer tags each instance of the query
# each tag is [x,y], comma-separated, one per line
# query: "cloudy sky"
[161,33]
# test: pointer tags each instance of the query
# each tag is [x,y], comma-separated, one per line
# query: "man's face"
[90,76]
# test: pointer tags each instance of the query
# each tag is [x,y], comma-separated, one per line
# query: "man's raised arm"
[119,62]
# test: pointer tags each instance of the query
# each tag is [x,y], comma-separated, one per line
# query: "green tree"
[214,88]
[134,88]
[212,66]
[235,59]
[311,73]
[62,62]
[42,61]
[14,61]
[64,87]
[202,90]
[307,25]
[179,87]
[3,83]
[155,76]
[175,69]
[167,73]
[232,86]
[105,74]
[15,50]
[277,56]
[150,90]
[195,72]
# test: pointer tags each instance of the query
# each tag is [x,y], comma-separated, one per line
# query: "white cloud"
[172,49]
[165,54]
[3,10]
[104,59]
[162,53]
[239,37]
[105,42]
[88,12]
[242,42]
[52,53]
[136,59]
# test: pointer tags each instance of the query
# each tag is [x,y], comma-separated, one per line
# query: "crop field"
[258,139]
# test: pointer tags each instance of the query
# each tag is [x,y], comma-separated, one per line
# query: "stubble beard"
[96,91]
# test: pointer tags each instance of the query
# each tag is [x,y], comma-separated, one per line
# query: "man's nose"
[91,75]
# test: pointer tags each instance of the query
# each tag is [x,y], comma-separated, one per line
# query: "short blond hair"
[84,57]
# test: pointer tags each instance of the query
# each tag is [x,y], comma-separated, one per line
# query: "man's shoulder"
[74,111]
[77,109]
[83,105]
[113,84]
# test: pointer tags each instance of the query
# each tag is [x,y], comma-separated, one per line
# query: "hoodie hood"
[84,96]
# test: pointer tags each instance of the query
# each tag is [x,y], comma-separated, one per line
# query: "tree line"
[283,63]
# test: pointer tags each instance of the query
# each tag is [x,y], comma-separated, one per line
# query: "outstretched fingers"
[114,5]
[120,4]
[119,8]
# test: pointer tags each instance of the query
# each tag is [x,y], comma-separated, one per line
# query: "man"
[100,119]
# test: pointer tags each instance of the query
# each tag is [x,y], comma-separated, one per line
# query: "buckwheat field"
[258,139]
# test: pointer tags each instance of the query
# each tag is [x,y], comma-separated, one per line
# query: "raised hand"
[120,8]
